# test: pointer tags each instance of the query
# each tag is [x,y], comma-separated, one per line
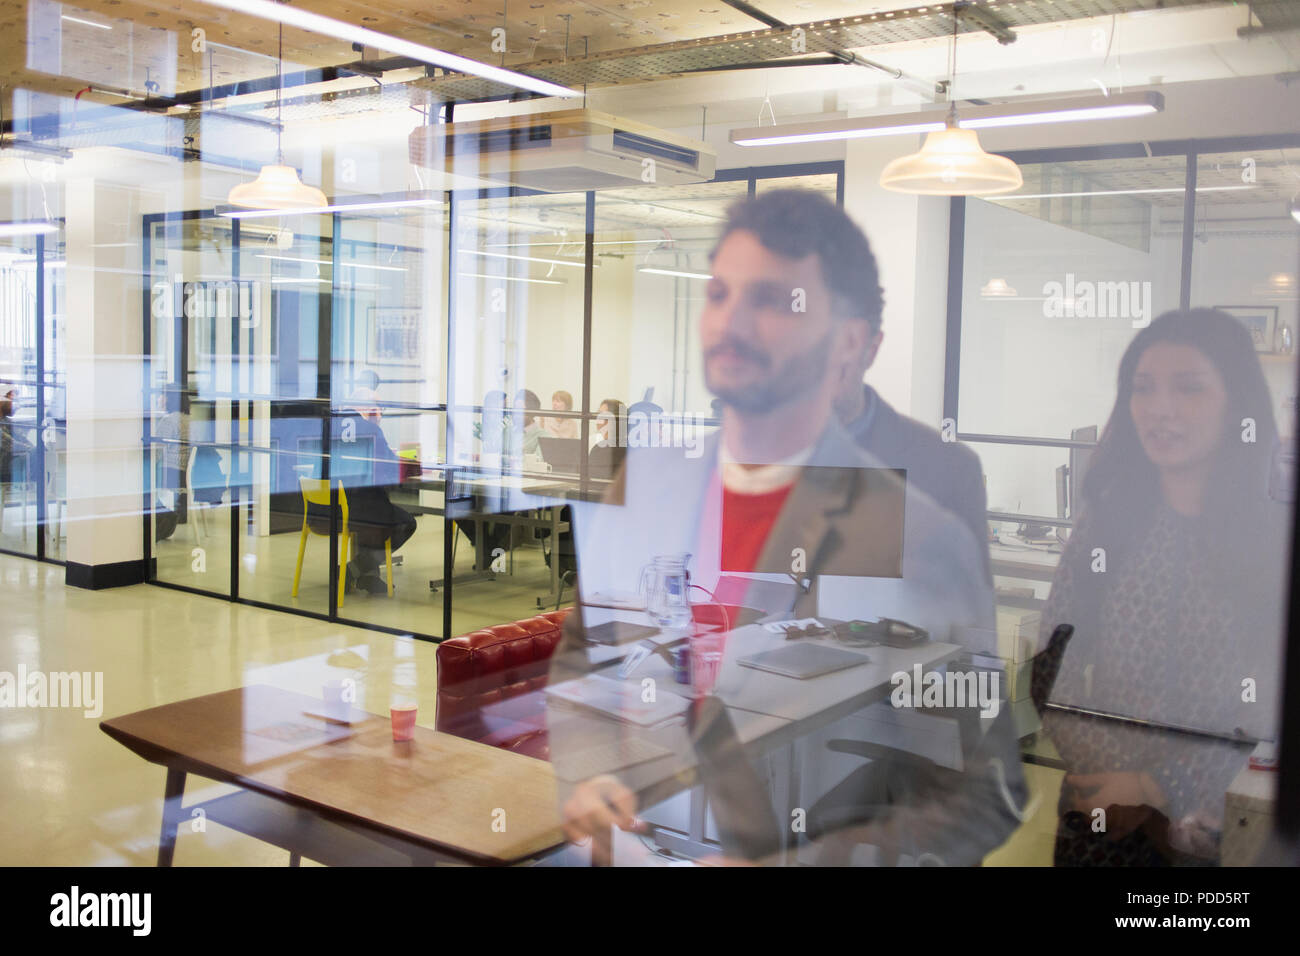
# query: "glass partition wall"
[33,388]
[1049,285]
[458,371]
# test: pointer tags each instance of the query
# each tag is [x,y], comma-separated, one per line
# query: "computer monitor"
[1079,461]
[562,454]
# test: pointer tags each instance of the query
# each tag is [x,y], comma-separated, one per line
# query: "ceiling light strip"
[314,22]
[1023,113]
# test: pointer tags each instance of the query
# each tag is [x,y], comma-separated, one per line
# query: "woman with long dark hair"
[1173,579]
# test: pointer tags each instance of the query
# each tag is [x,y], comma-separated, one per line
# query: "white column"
[105,380]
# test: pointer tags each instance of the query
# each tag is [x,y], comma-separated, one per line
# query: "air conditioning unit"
[566,151]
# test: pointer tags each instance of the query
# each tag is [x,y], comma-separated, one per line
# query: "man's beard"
[800,374]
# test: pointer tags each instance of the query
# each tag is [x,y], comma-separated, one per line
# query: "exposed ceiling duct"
[563,151]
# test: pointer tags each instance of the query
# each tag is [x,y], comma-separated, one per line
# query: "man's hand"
[598,804]
[1130,798]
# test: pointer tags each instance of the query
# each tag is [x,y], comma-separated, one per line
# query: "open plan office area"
[652,434]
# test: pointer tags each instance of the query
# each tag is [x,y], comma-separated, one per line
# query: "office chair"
[563,551]
[207,494]
[841,808]
[56,493]
[316,491]
[20,460]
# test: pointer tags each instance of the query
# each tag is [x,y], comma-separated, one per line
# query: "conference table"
[480,495]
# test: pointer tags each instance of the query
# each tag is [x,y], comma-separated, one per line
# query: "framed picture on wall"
[394,336]
[1260,320]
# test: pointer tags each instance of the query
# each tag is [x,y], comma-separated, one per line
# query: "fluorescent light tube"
[1118,192]
[35,228]
[234,213]
[327,262]
[1023,113]
[675,272]
[506,255]
[86,23]
[306,20]
[484,275]
[821,136]
[565,242]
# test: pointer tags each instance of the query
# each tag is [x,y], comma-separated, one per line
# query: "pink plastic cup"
[403,717]
[706,660]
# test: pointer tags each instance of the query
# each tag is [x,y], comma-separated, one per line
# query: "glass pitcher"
[665,586]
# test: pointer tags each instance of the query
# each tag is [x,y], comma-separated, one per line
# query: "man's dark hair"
[795,223]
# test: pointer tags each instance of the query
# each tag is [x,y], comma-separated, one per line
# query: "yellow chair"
[316,491]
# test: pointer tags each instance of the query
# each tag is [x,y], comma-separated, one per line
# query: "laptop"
[803,661]
[562,454]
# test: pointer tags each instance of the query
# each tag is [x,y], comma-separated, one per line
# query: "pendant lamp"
[277,186]
[951,161]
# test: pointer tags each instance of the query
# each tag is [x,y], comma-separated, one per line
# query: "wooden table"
[343,793]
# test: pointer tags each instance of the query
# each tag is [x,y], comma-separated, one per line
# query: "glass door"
[31,274]
[194,311]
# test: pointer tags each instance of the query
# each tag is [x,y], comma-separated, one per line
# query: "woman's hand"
[1196,834]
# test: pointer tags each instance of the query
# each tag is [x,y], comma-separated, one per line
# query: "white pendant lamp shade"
[277,187]
[951,162]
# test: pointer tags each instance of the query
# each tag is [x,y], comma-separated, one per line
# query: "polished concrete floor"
[72,796]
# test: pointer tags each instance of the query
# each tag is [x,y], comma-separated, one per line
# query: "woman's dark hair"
[1121,491]
[530,402]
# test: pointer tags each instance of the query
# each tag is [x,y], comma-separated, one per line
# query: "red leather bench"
[500,666]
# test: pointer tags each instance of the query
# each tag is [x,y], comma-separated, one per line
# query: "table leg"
[173,791]
[295,859]
[555,555]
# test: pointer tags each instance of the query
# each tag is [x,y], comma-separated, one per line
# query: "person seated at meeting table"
[12,445]
[611,412]
[1174,580]
[361,458]
[783,499]
[529,426]
[562,401]
[493,423]
[365,396]
[171,427]
[492,432]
